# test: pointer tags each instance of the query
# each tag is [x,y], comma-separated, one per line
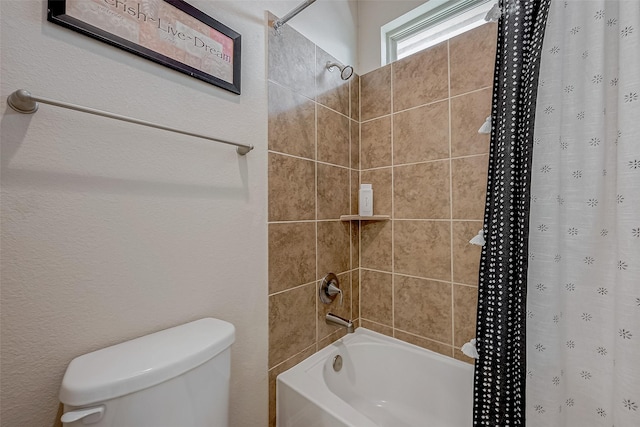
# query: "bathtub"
[383,382]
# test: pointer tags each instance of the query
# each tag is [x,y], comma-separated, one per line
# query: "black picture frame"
[57,13]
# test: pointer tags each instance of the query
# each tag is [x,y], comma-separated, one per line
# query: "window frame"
[422,18]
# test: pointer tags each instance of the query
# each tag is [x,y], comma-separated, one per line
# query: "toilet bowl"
[178,377]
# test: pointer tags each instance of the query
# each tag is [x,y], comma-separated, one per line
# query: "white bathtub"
[383,382]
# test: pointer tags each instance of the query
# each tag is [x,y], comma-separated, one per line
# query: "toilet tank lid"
[143,362]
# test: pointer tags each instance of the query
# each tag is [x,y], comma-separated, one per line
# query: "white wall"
[111,231]
[331,24]
[372,15]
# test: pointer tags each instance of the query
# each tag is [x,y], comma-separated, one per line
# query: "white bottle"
[365,200]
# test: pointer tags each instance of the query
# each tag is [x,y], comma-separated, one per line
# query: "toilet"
[178,377]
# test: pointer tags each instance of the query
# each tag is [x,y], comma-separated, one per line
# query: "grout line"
[291,155]
[331,109]
[469,155]
[426,338]
[310,160]
[375,323]
[448,282]
[467,93]
[424,219]
[282,85]
[314,100]
[358,207]
[376,118]
[374,270]
[376,169]
[315,314]
[393,283]
[443,159]
[294,221]
[291,357]
[293,288]
[428,103]
[359,270]
[453,327]
[412,276]
[350,184]
[464,284]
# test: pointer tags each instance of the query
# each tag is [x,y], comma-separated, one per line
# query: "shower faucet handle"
[333,290]
[329,288]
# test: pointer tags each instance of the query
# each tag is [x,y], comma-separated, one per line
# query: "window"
[430,24]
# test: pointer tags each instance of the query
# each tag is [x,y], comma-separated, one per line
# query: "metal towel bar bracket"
[24,102]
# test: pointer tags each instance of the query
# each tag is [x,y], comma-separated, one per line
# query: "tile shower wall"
[312,178]
[410,129]
[421,151]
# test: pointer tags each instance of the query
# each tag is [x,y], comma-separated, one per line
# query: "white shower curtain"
[583,299]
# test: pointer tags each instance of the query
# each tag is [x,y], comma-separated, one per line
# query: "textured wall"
[111,231]
[421,151]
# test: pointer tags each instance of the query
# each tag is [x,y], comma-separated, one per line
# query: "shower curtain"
[499,379]
[583,299]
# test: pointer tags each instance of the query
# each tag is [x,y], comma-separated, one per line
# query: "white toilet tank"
[178,377]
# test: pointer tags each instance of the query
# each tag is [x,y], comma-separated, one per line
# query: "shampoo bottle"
[365,200]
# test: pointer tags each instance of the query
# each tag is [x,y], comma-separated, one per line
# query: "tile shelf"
[364,218]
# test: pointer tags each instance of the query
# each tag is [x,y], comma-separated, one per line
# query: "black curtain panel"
[500,374]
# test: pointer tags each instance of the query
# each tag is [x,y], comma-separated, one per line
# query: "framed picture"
[170,32]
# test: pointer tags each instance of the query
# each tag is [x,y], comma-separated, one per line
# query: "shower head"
[346,71]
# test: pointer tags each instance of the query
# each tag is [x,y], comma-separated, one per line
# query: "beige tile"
[423,248]
[355,145]
[375,245]
[469,186]
[273,375]
[473,55]
[434,346]
[468,114]
[459,355]
[375,93]
[291,60]
[376,297]
[292,322]
[330,339]
[355,97]
[355,185]
[355,294]
[380,180]
[292,255]
[292,122]
[334,239]
[355,244]
[356,324]
[465,308]
[421,134]
[292,188]
[375,143]
[423,307]
[331,90]
[333,137]
[466,257]
[376,327]
[421,78]
[342,310]
[333,191]
[421,191]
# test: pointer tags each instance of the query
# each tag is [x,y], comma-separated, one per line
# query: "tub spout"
[340,321]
